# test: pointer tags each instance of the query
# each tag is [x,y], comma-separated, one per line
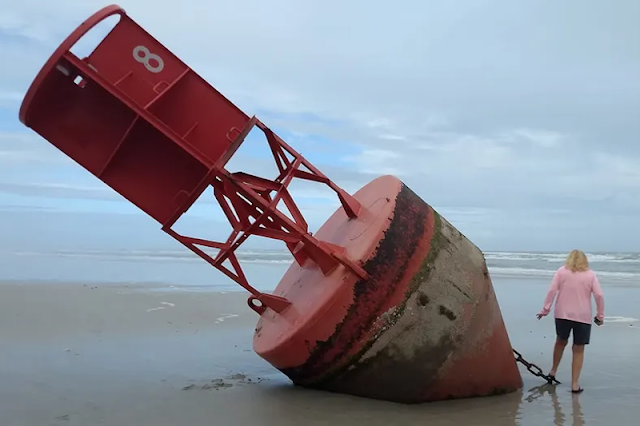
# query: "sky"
[518,121]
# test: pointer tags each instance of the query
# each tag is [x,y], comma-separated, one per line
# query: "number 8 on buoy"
[144,56]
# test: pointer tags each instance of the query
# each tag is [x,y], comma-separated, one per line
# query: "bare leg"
[576,366]
[558,350]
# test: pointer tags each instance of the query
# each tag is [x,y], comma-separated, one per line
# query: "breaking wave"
[614,266]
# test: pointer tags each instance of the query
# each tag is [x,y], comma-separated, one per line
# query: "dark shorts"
[581,331]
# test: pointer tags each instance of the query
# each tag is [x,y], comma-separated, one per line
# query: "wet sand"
[138,355]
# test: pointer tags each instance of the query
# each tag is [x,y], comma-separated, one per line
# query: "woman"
[574,283]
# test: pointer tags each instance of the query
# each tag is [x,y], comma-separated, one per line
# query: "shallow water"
[263,268]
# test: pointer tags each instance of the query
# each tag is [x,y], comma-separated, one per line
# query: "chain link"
[534,369]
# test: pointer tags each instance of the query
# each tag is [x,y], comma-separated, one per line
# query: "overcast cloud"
[519,121]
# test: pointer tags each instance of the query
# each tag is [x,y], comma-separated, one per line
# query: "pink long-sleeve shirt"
[574,290]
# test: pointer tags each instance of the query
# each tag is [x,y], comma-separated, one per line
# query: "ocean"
[182,268]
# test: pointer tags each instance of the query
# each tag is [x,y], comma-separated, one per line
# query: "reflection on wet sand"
[101,357]
[559,416]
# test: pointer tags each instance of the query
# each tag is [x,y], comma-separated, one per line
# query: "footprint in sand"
[161,307]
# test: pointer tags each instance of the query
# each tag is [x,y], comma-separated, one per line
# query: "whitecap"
[620,319]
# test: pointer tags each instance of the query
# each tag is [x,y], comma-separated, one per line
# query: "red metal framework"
[139,119]
[250,204]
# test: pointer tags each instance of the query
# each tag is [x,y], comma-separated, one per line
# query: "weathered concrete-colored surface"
[424,326]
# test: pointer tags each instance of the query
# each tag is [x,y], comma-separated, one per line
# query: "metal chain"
[534,369]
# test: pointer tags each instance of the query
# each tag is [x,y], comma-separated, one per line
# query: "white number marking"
[146,58]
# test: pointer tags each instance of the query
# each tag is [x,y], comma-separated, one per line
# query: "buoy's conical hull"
[424,326]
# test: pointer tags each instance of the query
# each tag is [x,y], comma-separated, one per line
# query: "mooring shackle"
[258,309]
[276,303]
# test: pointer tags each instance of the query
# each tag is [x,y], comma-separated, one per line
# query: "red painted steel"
[319,302]
[147,125]
[387,300]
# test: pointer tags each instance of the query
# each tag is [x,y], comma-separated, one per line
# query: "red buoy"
[387,300]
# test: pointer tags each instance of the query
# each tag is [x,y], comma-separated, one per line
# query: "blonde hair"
[577,261]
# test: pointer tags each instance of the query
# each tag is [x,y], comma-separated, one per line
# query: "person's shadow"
[559,417]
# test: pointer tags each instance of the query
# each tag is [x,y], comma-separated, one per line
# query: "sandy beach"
[75,354]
